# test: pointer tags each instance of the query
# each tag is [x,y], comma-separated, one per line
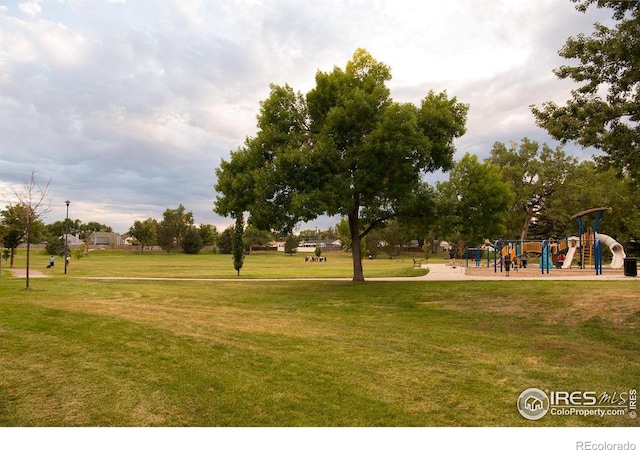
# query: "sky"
[127,107]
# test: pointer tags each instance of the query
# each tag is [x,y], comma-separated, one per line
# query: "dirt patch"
[22,273]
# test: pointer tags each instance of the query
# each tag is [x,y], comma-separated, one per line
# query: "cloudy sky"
[128,106]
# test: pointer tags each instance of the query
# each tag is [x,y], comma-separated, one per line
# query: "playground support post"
[544,256]
[597,250]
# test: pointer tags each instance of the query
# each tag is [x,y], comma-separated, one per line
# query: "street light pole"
[66,236]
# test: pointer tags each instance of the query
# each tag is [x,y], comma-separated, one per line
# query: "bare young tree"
[34,203]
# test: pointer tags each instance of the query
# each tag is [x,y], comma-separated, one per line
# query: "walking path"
[437,272]
[22,273]
[444,272]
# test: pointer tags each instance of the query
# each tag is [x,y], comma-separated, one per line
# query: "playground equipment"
[587,247]
[617,250]
[591,241]
[587,244]
[573,244]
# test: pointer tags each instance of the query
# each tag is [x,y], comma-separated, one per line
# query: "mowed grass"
[209,265]
[81,352]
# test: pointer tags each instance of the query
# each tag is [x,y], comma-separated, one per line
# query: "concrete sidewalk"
[444,272]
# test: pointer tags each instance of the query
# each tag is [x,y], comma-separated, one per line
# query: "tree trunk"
[356,249]
[27,272]
[525,226]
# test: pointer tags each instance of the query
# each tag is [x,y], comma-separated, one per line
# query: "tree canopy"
[144,232]
[534,172]
[14,222]
[604,112]
[474,203]
[173,227]
[346,148]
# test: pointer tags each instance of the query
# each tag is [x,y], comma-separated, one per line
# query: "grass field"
[209,265]
[80,352]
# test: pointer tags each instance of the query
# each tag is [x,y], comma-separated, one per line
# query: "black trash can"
[631,267]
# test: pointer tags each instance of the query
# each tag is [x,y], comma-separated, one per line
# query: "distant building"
[105,238]
[71,239]
[310,245]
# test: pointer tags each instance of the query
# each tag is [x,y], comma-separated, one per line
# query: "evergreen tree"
[238,243]
[191,241]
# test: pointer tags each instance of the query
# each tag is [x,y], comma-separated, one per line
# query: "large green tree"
[145,232]
[13,229]
[75,227]
[253,237]
[535,172]
[474,202]
[604,112]
[225,241]
[208,233]
[191,241]
[393,238]
[346,148]
[172,228]
[85,229]
[588,188]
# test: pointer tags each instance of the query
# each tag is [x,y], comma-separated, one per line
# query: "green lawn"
[79,352]
[209,265]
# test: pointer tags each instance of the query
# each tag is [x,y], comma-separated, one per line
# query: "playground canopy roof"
[586,212]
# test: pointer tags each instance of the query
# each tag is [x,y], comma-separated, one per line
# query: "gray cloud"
[129,106]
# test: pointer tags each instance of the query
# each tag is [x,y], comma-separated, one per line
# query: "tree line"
[523,191]
[346,148]
[19,225]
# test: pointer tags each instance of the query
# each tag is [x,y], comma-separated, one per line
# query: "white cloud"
[129,106]
[30,8]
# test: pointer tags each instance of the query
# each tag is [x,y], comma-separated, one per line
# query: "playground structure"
[585,248]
